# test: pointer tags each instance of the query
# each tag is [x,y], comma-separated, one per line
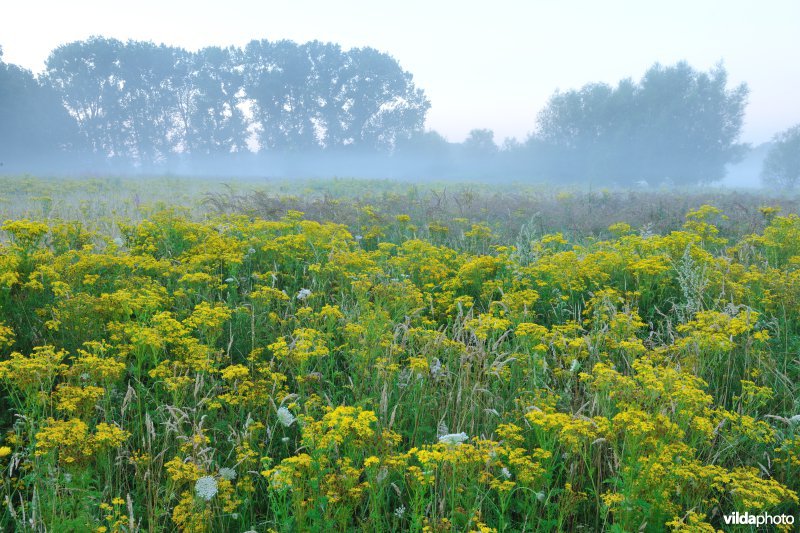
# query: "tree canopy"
[146,103]
[674,124]
[283,108]
[317,96]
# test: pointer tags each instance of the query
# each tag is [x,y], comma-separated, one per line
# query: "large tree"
[317,96]
[379,104]
[675,124]
[146,103]
[210,119]
[87,76]
[286,84]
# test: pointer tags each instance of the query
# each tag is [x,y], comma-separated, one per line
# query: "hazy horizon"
[484,68]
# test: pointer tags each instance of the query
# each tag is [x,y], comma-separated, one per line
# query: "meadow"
[386,356]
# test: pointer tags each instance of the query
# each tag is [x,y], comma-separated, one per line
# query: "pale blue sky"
[481,64]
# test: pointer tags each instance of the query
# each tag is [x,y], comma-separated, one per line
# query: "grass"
[385,356]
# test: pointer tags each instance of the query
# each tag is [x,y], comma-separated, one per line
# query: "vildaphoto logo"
[763,519]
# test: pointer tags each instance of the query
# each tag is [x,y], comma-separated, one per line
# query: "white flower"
[795,419]
[436,367]
[206,487]
[285,417]
[453,438]
[400,511]
[505,472]
[574,366]
[303,294]
[251,251]
[227,473]
[229,280]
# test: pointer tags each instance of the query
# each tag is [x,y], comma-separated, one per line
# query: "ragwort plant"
[173,369]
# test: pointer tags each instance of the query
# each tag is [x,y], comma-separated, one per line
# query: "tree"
[87,77]
[782,163]
[480,143]
[142,103]
[380,106]
[282,81]
[316,96]
[675,124]
[210,119]
[577,133]
[34,126]
[145,103]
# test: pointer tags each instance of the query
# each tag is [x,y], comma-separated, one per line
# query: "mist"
[283,110]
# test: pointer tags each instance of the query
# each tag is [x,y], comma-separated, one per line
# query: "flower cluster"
[389,371]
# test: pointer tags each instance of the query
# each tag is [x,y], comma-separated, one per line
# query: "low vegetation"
[474,360]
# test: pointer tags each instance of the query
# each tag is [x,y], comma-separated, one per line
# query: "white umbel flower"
[303,294]
[454,438]
[227,473]
[285,417]
[206,487]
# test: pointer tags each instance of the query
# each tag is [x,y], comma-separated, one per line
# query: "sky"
[481,64]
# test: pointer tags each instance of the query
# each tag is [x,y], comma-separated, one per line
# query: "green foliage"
[180,369]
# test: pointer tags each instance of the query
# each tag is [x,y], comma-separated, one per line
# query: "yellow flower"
[108,436]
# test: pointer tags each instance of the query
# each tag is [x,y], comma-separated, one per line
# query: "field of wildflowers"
[196,367]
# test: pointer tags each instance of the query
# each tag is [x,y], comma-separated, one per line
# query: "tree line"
[283,108]
[145,103]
